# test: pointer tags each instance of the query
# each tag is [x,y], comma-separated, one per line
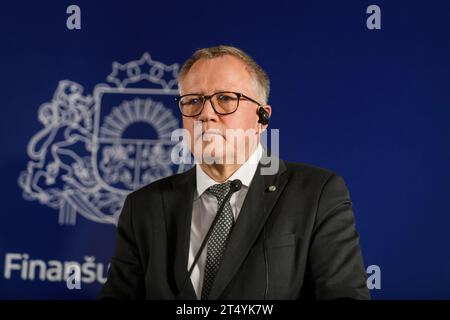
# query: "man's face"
[206,77]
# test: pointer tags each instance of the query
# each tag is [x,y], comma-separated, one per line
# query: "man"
[225,230]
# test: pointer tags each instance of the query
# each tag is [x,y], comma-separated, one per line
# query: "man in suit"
[225,229]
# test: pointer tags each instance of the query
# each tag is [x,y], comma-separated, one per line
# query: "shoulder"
[303,171]
[314,178]
[322,182]
[155,188]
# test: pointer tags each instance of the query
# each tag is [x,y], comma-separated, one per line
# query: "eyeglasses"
[223,103]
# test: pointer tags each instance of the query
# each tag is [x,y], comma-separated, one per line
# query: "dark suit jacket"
[298,241]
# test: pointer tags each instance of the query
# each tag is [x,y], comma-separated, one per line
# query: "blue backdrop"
[373,105]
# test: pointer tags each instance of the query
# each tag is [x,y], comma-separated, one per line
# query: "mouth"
[210,133]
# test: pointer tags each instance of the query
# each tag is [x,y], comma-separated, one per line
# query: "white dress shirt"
[205,207]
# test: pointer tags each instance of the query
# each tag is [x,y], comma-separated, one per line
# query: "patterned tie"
[219,236]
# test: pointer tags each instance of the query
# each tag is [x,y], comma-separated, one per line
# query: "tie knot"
[219,190]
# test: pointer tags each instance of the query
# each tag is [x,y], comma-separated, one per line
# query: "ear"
[268,109]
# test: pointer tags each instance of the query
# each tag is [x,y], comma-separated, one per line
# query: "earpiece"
[263,116]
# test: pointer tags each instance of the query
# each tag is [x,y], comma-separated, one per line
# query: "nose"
[207,112]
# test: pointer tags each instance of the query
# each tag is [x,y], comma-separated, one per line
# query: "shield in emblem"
[132,137]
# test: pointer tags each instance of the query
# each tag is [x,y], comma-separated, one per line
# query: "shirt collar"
[245,172]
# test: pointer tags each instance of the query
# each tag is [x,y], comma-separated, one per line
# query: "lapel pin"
[272,188]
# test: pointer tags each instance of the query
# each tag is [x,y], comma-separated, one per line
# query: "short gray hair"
[255,70]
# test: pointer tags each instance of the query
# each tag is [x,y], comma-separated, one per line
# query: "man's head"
[224,69]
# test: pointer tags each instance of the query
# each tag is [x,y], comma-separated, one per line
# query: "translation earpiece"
[263,116]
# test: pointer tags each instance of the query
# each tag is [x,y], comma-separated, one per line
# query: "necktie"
[219,236]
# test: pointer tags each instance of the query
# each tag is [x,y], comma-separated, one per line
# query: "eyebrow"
[215,91]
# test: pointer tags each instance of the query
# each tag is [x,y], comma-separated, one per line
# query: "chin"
[215,157]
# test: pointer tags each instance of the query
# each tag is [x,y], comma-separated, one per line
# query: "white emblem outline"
[72,118]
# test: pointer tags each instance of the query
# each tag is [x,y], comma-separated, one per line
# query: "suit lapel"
[178,206]
[255,210]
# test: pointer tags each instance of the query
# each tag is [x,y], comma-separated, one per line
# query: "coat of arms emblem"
[94,149]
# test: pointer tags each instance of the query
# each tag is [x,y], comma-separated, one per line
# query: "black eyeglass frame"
[208,97]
